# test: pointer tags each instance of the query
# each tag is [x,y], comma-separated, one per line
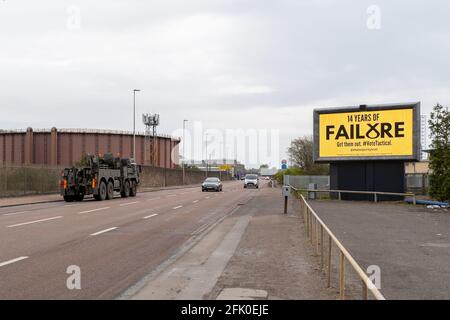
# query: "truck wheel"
[68,198]
[126,190]
[133,189]
[102,191]
[110,191]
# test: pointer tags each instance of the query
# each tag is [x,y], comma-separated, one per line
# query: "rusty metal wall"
[71,145]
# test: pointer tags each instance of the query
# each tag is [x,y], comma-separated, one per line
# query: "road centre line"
[195,201]
[153,198]
[152,215]
[93,210]
[103,231]
[13,213]
[128,203]
[12,261]
[177,207]
[35,221]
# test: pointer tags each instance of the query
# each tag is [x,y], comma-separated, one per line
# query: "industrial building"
[234,167]
[63,147]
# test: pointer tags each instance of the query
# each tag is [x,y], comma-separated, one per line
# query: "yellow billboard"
[378,133]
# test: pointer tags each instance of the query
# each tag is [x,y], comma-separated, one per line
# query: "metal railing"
[315,230]
[374,193]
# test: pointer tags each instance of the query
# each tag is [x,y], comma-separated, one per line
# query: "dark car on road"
[213,184]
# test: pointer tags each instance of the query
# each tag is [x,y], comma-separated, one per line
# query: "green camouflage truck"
[100,177]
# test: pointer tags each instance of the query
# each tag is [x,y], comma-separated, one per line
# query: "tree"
[439,124]
[264,166]
[83,162]
[301,155]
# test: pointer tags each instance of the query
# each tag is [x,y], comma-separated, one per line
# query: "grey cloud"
[216,61]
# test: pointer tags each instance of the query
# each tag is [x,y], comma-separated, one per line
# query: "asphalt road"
[114,243]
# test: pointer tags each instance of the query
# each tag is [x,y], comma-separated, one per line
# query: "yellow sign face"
[381,133]
[225,167]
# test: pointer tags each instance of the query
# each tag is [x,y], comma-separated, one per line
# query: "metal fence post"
[310,225]
[321,247]
[375,198]
[342,276]
[364,290]
[317,236]
[306,221]
[329,262]
[339,195]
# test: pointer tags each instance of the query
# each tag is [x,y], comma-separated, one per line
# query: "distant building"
[268,172]
[63,147]
[234,167]
[421,167]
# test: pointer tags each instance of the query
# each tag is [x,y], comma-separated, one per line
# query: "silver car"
[251,180]
[213,184]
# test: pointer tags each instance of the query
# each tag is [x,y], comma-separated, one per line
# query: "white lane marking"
[153,198]
[206,197]
[12,261]
[35,221]
[171,195]
[195,201]
[68,205]
[128,203]
[13,213]
[177,207]
[152,215]
[93,210]
[103,231]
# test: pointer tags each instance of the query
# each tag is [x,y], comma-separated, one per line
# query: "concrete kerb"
[60,200]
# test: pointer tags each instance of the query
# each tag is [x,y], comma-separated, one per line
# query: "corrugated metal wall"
[63,148]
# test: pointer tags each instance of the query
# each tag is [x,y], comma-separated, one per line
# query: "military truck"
[100,177]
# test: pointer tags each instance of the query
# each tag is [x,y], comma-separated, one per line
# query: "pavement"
[410,244]
[255,252]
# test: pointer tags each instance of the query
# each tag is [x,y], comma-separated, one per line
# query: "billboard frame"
[415,106]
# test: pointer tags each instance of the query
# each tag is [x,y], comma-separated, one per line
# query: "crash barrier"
[316,231]
[374,193]
[417,183]
[322,182]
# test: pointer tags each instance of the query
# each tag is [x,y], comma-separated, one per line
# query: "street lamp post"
[206,153]
[184,147]
[134,122]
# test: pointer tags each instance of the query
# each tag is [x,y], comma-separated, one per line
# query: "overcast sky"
[228,63]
